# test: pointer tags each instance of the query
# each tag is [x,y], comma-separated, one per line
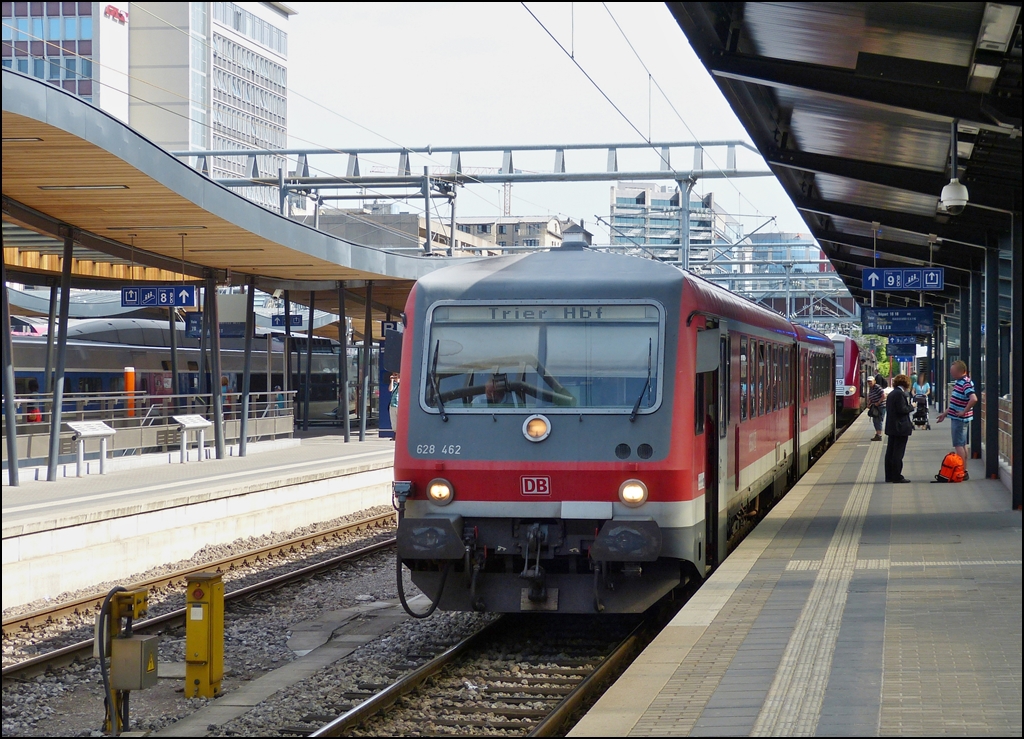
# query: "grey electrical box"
[133,662]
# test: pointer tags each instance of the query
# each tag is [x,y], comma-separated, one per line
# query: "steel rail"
[387,697]
[12,626]
[72,652]
[618,657]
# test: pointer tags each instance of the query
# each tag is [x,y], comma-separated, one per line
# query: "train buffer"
[192,422]
[82,430]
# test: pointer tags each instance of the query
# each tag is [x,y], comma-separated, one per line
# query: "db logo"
[536,485]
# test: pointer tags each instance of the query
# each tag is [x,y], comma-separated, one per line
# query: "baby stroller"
[921,414]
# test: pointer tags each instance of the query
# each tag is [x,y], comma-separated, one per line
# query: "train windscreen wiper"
[647,384]
[436,384]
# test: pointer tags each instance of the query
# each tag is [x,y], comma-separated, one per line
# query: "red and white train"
[583,431]
[854,365]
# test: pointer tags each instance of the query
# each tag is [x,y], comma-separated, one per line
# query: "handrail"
[34,410]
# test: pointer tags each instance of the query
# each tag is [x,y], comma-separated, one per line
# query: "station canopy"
[853,104]
[138,215]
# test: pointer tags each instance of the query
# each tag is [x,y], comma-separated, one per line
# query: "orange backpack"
[952,469]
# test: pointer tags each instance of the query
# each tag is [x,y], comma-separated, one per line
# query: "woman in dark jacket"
[898,427]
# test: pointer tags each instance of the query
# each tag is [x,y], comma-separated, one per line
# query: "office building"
[188,76]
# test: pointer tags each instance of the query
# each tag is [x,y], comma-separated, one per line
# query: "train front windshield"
[572,357]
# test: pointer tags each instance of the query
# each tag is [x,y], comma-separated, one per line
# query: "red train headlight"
[633,493]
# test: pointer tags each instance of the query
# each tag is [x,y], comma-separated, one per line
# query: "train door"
[708,403]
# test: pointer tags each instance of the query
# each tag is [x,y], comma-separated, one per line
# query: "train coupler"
[536,537]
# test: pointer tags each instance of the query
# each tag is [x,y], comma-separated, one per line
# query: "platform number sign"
[927,278]
[146,296]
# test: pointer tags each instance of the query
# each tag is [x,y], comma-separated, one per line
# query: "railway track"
[90,604]
[519,675]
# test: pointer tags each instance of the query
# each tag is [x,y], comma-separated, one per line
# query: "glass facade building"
[188,76]
[52,41]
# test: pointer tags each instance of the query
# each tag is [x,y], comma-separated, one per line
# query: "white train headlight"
[440,491]
[633,493]
[536,428]
[851,389]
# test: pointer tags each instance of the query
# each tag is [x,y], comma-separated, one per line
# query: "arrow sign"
[129,297]
[934,278]
[872,277]
[185,297]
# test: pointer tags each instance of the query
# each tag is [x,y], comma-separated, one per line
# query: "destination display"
[925,278]
[543,313]
[904,321]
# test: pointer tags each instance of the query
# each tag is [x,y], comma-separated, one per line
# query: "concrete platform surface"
[40,505]
[77,533]
[856,608]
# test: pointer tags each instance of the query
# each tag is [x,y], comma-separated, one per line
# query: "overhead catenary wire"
[292,90]
[679,115]
[355,216]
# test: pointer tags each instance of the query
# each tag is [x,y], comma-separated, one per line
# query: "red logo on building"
[114,13]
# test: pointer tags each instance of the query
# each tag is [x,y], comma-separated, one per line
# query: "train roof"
[810,336]
[574,271]
[585,273]
[152,332]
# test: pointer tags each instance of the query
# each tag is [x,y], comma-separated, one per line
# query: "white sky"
[487,74]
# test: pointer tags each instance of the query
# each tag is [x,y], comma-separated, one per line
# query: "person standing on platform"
[393,405]
[960,410]
[876,404]
[922,387]
[898,427]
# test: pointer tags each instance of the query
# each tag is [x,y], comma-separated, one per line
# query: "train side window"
[785,376]
[725,386]
[761,368]
[803,377]
[698,405]
[775,377]
[789,376]
[743,378]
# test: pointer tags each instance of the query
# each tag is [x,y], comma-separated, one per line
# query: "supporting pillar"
[1017,369]
[250,329]
[62,354]
[50,330]
[218,393]
[685,188]
[309,362]
[1005,342]
[974,362]
[367,341]
[204,333]
[172,318]
[426,210]
[991,351]
[451,232]
[343,363]
[286,371]
[10,409]
[270,375]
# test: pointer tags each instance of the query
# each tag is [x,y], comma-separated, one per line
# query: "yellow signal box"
[204,635]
